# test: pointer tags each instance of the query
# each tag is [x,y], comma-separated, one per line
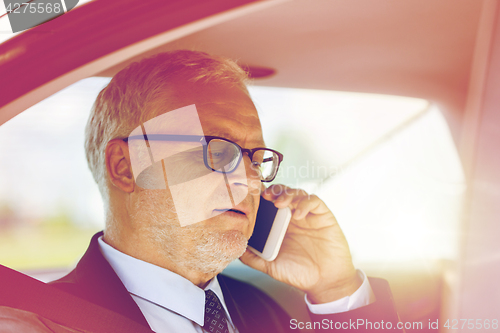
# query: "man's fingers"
[310,204]
[283,195]
[301,204]
[273,192]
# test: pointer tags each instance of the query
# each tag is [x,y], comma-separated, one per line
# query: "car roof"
[418,48]
[411,48]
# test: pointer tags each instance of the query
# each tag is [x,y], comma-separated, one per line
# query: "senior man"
[174,221]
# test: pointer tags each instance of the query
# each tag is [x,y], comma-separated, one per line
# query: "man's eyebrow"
[223,134]
[230,136]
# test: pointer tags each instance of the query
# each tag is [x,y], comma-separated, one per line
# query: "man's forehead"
[253,138]
[222,110]
[225,120]
[230,121]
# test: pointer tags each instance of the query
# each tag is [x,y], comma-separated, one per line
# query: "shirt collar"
[161,286]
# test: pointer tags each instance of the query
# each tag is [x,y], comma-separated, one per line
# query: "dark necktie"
[215,317]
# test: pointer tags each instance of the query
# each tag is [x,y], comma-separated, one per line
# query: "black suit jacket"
[251,310]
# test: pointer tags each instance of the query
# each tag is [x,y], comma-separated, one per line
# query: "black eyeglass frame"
[205,140]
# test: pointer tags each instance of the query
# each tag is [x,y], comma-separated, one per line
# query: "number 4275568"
[455,324]
[29,7]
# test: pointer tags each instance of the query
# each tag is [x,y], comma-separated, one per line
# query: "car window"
[385,165]
[49,205]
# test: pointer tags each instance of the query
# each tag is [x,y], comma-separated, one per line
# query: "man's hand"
[314,256]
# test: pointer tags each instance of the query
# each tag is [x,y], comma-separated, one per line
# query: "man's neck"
[200,279]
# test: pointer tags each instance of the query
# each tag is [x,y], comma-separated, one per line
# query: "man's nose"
[248,172]
[238,176]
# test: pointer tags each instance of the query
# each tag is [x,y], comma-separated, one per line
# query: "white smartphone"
[269,231]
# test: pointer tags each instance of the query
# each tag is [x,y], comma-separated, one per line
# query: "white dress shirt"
[171,303]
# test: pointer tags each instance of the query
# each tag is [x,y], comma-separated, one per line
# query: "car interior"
[388,110]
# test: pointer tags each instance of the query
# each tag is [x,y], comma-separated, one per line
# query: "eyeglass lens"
[268,163]
[224,154]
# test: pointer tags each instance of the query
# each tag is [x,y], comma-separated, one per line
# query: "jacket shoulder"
[95,281]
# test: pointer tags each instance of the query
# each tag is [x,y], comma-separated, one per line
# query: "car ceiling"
[419,48]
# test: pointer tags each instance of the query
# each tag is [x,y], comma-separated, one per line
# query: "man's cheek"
[195,200]
[251,226]
[237,194]
[254,180]
[254,187]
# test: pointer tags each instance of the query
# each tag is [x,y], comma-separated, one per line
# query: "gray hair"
[123,104]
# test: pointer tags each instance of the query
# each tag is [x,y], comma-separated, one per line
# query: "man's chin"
[219,249]
[234,243]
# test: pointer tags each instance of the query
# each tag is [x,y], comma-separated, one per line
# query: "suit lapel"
[251,309]
[241,318]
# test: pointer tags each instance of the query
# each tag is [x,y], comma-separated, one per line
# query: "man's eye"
[191,155]
[219,154]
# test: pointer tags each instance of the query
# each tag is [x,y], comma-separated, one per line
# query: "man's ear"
[118,165]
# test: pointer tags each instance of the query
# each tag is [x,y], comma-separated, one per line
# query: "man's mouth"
[230,210]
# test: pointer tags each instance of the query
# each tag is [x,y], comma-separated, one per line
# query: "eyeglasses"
[224,156]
